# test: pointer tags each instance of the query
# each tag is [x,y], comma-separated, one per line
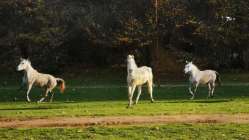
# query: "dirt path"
[122,120]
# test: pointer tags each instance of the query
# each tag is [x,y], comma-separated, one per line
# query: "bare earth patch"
[122,120]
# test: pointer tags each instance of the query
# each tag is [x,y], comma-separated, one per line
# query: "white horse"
[197,77]
[32,76]
[137,76]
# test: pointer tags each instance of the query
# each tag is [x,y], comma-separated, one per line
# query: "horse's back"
[208,76]
[209,72]
[144,70]
[140,75]
[45,80]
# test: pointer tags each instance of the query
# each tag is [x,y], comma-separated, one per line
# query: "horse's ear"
[21,59]
[186,62]
[28,60]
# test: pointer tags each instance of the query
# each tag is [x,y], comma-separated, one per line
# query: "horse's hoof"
[39,102]
[152,101]
[129,106]
[192,98]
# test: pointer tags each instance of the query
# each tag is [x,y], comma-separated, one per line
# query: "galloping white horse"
[137,76]
[201,77]
[46,81]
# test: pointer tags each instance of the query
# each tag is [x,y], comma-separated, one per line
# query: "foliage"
[85,32]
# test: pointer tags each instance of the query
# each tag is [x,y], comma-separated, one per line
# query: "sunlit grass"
[150,132]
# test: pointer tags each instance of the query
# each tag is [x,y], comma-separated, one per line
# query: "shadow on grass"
[213,101]
[172,95]
[31,108]
[200,101]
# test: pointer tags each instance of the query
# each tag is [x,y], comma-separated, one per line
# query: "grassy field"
[107,100]
[113,101]
[147,132]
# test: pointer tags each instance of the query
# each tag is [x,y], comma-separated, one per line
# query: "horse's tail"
[218,78]
[61,82]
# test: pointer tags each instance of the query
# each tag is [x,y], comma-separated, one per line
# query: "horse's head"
[131,64]
[24,63]
[130,57]
[188,67]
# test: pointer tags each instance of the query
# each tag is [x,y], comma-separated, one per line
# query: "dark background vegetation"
[61,36]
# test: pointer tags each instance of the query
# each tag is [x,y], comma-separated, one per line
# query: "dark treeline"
[99,33]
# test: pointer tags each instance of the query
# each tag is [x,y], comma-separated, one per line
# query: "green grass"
[147,132]
[113,101]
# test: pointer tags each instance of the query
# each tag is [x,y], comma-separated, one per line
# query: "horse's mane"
[132,62]
[195,67]
[29,63]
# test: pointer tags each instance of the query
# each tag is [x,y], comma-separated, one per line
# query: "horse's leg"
[150,90]
[46,94]
[190,91]
[139,93]
[196,87]
[194,93]
[28,90]
[52,96]
[209,90]
[213,87]
[130,94]
[52,86]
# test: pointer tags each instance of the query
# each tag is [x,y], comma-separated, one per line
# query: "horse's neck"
[30,71]
[195,72]
[132,65]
